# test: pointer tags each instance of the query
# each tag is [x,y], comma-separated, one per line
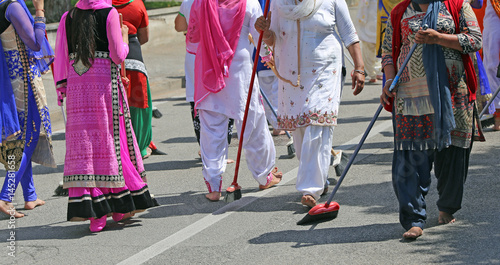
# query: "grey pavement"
[261,227]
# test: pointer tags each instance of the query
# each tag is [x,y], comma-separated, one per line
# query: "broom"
[329,210]
[234,191]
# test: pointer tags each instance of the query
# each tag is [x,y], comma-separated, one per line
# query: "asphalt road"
[261,227]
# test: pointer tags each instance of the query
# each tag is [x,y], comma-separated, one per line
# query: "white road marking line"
[205,222]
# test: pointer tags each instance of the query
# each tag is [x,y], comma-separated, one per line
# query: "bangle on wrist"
[360,71]
[40,20]
[388,80]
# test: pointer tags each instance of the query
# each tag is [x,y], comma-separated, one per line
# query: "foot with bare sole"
[9,209]
[445,218]
[413,233]
[278,132]
[31,205]
[276,179]
[308,200]
[213,196]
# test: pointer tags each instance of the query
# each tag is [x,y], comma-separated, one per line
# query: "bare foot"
[213,196]
[445,218]
[278,132]
[373,80]
[8,209]
[276,179]
[413,233]
[31,205]
[229,161]
[308,200]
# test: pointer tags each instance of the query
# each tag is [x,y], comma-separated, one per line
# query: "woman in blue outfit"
[24,116]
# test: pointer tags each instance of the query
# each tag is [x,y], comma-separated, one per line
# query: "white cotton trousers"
[313,146]
[373,64]
[268,83]
[258,146]
[491,49]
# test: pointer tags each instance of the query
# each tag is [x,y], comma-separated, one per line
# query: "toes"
[213,196]
[308,200]
[413,233]
[445,218]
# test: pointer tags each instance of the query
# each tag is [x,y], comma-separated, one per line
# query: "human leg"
[196,122]
[259,149]
[411,179]
[314,160]
[451,167]
[230,126]
[213,145]
[491,59]
[24,174]
[372,63]
[30,198]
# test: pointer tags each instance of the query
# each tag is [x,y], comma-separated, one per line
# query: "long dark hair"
[83,35]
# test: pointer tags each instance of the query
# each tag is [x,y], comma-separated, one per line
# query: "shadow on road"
[336,235]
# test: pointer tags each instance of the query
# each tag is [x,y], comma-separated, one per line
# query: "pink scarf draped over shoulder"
[213,34]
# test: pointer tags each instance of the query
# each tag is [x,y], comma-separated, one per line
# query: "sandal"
[274,175]
[96,225]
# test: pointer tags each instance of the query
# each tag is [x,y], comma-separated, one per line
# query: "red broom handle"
[122,70]
[255,62]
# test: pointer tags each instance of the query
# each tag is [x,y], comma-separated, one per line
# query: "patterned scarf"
[437,82]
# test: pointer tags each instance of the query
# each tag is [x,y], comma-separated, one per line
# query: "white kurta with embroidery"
[231,100]
[316,101]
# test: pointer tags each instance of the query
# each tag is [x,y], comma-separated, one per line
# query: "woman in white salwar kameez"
[222,93]
[310,64]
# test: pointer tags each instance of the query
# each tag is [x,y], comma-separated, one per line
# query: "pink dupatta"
[216,26]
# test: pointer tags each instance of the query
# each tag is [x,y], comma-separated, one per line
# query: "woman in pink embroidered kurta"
[101,171]
[315,99]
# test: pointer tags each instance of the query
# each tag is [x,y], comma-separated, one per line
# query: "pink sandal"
[96,225]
